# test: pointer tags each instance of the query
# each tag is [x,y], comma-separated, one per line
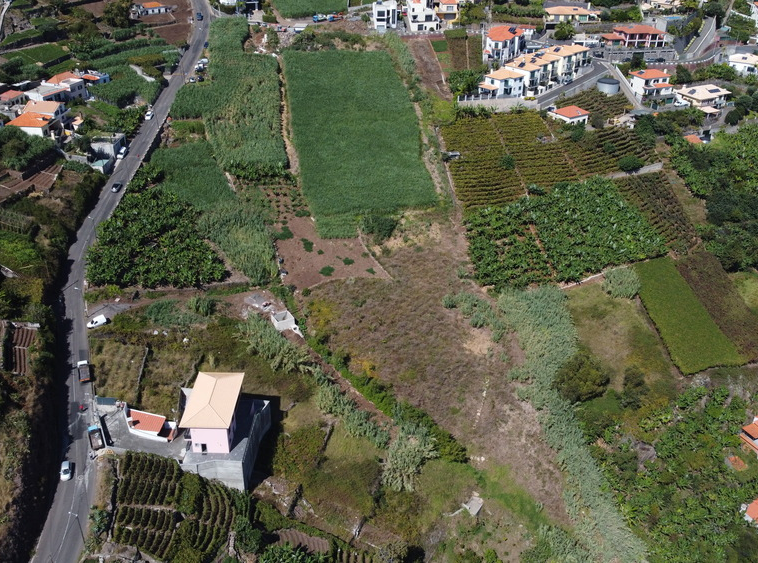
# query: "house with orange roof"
[750,512]
[639,36]
[148,425]
[573,115]
[574,13]
[749,436]
[59,88]
[56,110]
[36,124]
[694,139]
[11,98]
[150,9]
[504,42]
[447,10]
[223,428]
[502,83]
[652,85]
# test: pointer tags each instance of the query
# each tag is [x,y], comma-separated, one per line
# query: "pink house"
[209,414]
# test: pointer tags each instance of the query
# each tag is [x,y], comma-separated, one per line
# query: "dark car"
[117,187]
[205,45]
[199,16]
[660,60]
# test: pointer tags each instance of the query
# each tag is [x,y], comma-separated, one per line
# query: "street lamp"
[75,515]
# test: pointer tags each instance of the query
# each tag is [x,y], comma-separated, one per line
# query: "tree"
[116,13]
[635,387]
[682,75]
[563,31]
[582,377]
[405,456]
[464,81]
[734,116]
[630,163]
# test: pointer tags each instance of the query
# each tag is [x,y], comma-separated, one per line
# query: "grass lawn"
[305,8]
[42,53]
[617,332]
[693,339]
[116,368]
[357,138]
[341,486]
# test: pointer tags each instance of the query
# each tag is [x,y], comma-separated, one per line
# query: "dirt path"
[429,67]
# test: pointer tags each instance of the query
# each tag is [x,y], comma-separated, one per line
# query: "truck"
[83,369]
[335,17]
[319,18]
[95,434]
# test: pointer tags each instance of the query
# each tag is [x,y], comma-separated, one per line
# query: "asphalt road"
[62,537]
[594,73]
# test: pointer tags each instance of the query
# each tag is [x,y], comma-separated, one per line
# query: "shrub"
[507,162]
[201,305]
[582,377]
[634,387]
[326,271]
[621,282]
[380,227]
[413,446]
[630,163]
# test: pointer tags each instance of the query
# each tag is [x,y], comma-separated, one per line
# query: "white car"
[149,115]
[66,472]
[99,320]
[122,153]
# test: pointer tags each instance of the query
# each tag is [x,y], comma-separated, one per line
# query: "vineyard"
[594,101]
[716,291]
[240,105]
[574,230]
[692,338]
[541,156]
[357,137]
[652,194]
[150,492]
[306,8]
[465,51]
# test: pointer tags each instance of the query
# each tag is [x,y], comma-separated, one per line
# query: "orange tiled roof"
[10,95]
[58,78]
[146,421]
[650,73]
[752,510]
[503,33]
[571,112]
[152,5]
[30,119]
[737,463]
[751,430]
[694,139]
[638,29]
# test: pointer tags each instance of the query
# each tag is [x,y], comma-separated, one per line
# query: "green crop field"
[42,54]
[193,175]
[306,8]
[693,339]
[357,137]
[240,105]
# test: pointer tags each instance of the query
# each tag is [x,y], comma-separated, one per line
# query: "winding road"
[62,537]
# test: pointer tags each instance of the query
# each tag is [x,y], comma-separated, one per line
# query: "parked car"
[203,61]
[66,472]
[681,103]
[97,321]
[205,45]
[122,153]
[199,16]
[149,115]
[200,78]
[117,187]
[191,79]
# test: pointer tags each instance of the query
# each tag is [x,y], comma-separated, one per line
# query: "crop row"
[594,101]
[136,489]
[652,194]
[718,294]
[694,341]
[581,227]
[161,520]
[155,542]
[241,105]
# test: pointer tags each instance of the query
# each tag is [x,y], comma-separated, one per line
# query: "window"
[204,448]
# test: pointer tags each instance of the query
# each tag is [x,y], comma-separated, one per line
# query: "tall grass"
[357,137]
[240,105]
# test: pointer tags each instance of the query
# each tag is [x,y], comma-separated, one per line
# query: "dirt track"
[429,67]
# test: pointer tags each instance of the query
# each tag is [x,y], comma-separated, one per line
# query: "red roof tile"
[752,510]
[650,73]
[571,112]
[638,30]
[503,33]
[146,421]
[694,139]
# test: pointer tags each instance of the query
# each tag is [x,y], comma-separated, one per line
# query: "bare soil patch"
[400,331]
[176,33]
[349,258]
[429,67]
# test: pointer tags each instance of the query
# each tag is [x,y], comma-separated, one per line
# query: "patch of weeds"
[319,252]
[326,271]
[371,271]
[348,261]
[307,245]
[284,234]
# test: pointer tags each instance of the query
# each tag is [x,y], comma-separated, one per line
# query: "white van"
[122,153]
[97,321]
